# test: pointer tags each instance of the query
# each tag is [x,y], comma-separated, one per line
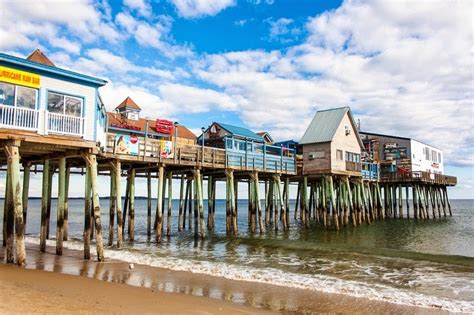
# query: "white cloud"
[283,30]
[200,8]
[141,6]
[404,68]
[27,24]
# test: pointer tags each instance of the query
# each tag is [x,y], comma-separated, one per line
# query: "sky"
[404,67]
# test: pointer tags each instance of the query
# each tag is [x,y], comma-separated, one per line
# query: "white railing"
[64,124]
[18,117]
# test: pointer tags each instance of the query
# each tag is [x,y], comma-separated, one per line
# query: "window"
[427,154]
[352,157]
[439,157]
[339,155]
[64,104]
[16,95]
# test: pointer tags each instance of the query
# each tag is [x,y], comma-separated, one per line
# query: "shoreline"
[244,295]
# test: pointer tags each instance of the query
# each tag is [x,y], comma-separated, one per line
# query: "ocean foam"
[273,276]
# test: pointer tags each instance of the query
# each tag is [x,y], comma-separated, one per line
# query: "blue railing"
[370,171]
[253,155]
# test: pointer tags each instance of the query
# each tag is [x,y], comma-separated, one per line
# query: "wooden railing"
[18,118]
[199,155]
[424,177]
[65,124]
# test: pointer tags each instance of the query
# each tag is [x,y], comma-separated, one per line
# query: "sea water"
[427,263]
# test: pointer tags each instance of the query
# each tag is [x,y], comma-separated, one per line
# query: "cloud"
[153,35]
[200,8]
[405,71]
[282,30]
[63,24]
[141,6]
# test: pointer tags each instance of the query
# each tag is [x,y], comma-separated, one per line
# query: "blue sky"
[404,67]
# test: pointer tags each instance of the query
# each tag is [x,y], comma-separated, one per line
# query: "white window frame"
[15,98]
[64,102]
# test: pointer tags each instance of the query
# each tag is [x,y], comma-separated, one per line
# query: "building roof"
[241,132]
[128,103]
[115,120]
[396,137]
[324,125]
[44,69]
[264,134]
[39,57]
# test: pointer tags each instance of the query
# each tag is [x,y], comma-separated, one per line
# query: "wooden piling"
[200,194]
[49,198]
[170,203]
[261,226]
[148,205]
[26,189]
[5,207]
[415,201]
[447,200]
[9,218]
[17,210]
[159,205]
[407,191]
[96,204]
[87,213]
[131,213]
[112,199]
[60,205]
[126,203]
[186,201]
[181,202]
[117,167]
[66,204]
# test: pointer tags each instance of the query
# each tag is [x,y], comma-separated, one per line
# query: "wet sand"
[49,286]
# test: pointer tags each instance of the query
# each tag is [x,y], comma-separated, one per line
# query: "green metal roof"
[241,132]
[324,125]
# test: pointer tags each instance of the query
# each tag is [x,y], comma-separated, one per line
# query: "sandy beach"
[53,284]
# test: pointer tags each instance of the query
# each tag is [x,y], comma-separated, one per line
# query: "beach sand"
[68,284]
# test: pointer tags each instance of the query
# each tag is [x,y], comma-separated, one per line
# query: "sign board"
[19,77]
[395,153]
[166,149]
[126,144]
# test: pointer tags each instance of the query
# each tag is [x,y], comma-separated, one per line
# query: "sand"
[68,284]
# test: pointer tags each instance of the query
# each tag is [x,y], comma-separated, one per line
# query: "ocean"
[428,263]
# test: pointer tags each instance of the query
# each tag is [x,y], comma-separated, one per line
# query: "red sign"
[125,127]
[133,139]
[164,126]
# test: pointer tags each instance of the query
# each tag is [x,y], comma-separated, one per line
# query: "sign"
[166,149]
[164,126]
[125,144]
[123,126]
[19,77]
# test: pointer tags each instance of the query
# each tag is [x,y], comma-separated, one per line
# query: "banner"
[125,144]
[19,77]
[166,149]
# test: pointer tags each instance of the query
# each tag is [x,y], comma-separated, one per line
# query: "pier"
[53,121]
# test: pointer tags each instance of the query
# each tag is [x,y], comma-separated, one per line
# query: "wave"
[273,276]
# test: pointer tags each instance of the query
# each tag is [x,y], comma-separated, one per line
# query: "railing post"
[264,156]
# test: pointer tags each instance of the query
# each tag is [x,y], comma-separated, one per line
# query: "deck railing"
[418,176]
[65,124]
[209,156]
[370,171]
[18,118]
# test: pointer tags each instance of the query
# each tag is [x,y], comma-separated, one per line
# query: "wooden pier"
[336,187]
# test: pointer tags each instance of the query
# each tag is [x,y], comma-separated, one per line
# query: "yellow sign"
[19,77]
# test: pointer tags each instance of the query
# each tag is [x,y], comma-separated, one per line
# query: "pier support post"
[126,204]
[112,199]
[9,218]
[200,195]
[66,204]
[26,190]
[50,197]
[96,204]
[261,227]
[159,205]
[415,201]
[447,200]
[148,205]
[407,192]
[170,203]
[87,214]
[181,202]
[252,203]
[5,207]
[400,201]
[186,201]
[131,213]
[304,201]
[210,202]
[118,201]
[15,208]
[60,206]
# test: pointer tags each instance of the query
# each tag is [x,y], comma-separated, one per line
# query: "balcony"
[13,117]
[64,124]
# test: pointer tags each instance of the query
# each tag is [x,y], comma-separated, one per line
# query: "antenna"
[358,124]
